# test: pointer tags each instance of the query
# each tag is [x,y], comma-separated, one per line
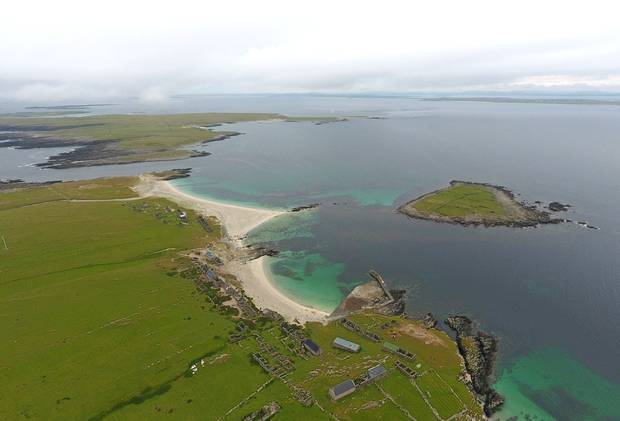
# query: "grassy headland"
[468,203]
[107,315]
[124,139]
[118,139]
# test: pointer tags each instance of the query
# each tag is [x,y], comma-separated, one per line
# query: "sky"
[66,50]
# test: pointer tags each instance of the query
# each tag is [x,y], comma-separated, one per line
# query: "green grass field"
[445,401]
[102,319]
[461,200]
[136,137]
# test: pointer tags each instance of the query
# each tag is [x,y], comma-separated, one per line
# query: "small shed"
[346,345]
[376,372]
[312,347]
[341,390]
[389,346]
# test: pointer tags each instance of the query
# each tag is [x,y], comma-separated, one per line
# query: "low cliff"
[478,351]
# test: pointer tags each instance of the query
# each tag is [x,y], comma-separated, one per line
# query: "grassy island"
[110,311]
[468,203]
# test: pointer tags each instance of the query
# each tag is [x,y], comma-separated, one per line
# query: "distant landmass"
[567,101]
[122,139]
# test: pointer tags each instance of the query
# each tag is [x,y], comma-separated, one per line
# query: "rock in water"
[558,207]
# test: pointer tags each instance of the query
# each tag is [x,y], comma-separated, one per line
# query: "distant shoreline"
[514,100]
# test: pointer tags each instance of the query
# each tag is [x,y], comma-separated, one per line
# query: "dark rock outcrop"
[256,251]
[429,321]
[17,183]
[478,352]
[305,207]
[558,207]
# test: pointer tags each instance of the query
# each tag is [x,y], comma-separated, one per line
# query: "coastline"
[237,221]
[256,282]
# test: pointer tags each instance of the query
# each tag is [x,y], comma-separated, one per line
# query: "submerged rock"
[305,207]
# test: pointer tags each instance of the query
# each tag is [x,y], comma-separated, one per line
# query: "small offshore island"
[467,203]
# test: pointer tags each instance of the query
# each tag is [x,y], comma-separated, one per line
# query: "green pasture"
[134,137]
[461,200]
[101,318]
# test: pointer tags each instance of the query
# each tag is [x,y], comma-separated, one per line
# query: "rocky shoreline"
[86,152]
[478,351]
[18,183]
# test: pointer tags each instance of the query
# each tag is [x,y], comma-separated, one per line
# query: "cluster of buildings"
[373,374]
[349,386]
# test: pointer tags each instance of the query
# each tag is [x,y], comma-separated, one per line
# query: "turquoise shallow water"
[309,278]
[209,190]
[303,276]
[549,381]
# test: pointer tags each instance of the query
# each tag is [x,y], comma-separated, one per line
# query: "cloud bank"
[69,50]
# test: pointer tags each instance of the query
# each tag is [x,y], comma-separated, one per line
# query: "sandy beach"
[237,222]
[254,277]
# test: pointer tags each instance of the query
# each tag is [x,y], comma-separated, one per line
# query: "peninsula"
[467,203]
[123,138]
[137,314]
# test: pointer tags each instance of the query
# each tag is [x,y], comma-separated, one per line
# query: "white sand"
[237,222]
[254,277]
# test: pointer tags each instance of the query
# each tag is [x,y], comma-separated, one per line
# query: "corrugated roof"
[347,344]
[343,387]
[376,371]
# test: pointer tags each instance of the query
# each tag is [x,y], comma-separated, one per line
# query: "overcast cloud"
[80,50]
